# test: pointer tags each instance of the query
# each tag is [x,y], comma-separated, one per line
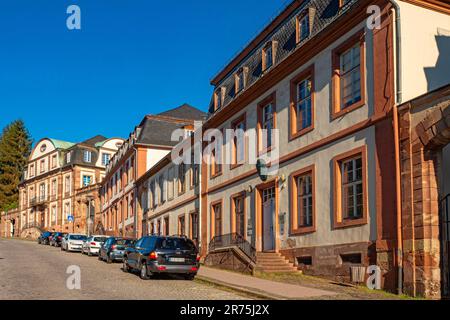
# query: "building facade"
[319,96]
[59,188]
[147,145]
[9,224]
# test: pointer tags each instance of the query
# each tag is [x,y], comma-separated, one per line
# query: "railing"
[233,240]
[35,224]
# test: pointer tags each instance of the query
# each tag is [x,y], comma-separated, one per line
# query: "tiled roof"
[185,111]
[94,140]
[325,12]
[59,144]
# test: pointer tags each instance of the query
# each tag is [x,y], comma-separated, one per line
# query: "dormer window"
[267,56]
[239,80]
[218,99]
[303,26]
[68,156]
[87,156]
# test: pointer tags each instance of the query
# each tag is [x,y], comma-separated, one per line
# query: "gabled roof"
[185,111]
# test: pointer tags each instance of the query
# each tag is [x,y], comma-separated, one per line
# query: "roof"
[94,140]
[185,111]
[158,132]
[59,144]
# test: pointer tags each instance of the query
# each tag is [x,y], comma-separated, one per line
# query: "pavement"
[29,271]
[260,287]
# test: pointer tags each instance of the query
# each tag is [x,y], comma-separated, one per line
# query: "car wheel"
[143,274]
[89,253]
[108,259]
[189,277]
[125,266]
[99,256]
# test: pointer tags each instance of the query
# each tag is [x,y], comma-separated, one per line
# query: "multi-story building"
[317,95]
[146,146]
[9,223]
[59,187]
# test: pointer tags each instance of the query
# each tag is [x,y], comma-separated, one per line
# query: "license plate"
[176,259]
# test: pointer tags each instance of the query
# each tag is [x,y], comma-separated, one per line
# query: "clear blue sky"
[131,58]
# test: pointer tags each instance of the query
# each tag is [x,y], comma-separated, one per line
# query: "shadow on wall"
[439,75]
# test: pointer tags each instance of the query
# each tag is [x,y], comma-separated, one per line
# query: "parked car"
[50,238]
[92,245]
[114,248]
[56,239]
[156,255]
[43,238]
[74,242]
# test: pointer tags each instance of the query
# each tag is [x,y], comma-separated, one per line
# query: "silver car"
[73,242]
[92,245]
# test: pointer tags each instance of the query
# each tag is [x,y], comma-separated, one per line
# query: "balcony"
[40,200]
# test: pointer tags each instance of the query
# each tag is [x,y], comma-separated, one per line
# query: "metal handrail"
[233,240]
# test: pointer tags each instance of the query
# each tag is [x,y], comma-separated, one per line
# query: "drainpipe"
[398,71]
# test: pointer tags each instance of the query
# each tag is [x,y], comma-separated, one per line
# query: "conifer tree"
[15,147]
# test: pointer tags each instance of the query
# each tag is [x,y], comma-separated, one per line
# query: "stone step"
[277,269]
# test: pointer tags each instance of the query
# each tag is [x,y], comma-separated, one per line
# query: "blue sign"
[70,218]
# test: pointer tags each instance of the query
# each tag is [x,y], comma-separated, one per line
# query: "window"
[42,192]
[162,197]
[87,156]
[302,197]
[67,184]
[216,219]
[266,123]
[54,186]
[267,56]
[238,144]
[32,170]
[348,76]
[166,226]
[87,180]
[343,3]
[181,226]
[238,214]
[171,189]
[302,103]
[42,170]
[195,173]
[53,215]
[152,194]
[106,157]
[194,226]
[67,210]
[218,97]
[181,178]
[216,158]
[303,26]
[68,156]
[54,161]
[350,198]
[239,81]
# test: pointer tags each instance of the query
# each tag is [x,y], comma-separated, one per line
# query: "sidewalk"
[260,287]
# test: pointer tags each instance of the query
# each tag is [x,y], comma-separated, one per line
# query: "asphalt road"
[32,271]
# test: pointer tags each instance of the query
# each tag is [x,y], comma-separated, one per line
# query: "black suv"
[43,238]
[113,249]
[156,255]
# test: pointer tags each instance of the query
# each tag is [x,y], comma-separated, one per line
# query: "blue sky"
[131,58]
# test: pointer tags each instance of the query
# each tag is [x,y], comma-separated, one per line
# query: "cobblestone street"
[32,271]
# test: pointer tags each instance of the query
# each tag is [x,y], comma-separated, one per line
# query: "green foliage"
[15,147]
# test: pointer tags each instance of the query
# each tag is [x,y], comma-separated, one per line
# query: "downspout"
[398,71]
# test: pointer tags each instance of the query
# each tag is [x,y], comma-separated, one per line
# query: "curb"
[246,290]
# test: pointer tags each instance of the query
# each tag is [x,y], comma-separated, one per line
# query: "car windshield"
[100,239]
[77,237]
[176,244]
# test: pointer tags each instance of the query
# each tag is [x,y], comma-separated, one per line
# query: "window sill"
[264,151]
[302,231]
[234,166]
[348,223]
[350,108]
[215,175]
[293,136]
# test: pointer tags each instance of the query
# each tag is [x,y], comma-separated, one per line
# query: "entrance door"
[445,245]
[268,209]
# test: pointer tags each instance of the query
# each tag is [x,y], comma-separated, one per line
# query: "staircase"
[273,262]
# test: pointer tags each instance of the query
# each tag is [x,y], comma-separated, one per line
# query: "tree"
[15,147]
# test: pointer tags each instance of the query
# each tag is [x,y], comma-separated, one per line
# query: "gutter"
[399,98]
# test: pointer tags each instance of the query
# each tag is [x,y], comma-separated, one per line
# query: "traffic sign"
[70,218]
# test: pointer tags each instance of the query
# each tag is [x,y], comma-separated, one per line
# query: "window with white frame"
[87,156]
[352,188]
[106,157]
[87,180]
[350,76]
